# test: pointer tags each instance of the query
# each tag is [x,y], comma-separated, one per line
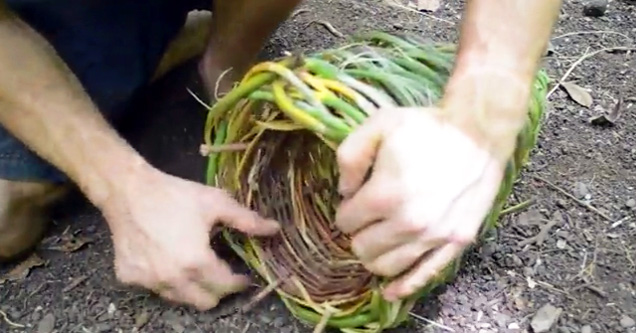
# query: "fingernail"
[345,190]
[270,227]
[389,295]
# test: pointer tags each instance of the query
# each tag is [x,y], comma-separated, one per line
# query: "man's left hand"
[430,188]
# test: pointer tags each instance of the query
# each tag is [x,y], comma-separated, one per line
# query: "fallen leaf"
[578,93]
[428,5]
[70,242]
[22,270]
[611,117]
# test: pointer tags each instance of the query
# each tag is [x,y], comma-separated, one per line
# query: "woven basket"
[275,137]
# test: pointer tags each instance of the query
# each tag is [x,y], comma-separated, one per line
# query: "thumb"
[357,152]
[234,215]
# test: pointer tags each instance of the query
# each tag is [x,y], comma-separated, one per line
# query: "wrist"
[114,177]
[488,104]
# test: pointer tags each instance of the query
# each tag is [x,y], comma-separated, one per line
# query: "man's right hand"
[160,224]
[161,232]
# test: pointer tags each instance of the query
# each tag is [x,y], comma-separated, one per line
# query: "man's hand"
[436,172]
[161,233]
[429,191]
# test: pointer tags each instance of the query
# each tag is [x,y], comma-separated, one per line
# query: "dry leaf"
[71,244]
[578,93]
[428,5]
[611,117]
[22,270]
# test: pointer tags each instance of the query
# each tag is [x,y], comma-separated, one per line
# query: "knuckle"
[125,275]
[358,247]
[385,198]
[462,238]
[381,270]
[206,303]
[414,224]
[344,158]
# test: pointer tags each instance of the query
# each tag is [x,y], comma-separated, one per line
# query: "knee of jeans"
[19,163]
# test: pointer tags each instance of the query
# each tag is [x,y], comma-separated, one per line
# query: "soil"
[581,180]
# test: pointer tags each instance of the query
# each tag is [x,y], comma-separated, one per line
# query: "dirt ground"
[572,252]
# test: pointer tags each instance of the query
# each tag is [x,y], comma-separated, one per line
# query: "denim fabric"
[112,46]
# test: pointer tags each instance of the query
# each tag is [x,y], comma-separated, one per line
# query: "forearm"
[45,106]
[501,46]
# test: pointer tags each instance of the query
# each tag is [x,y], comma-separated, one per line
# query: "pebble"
[561,203]
[177,328]
[104,327]
[581,190]
[586,329]
[488,250]
[545,318]
[528,271]
[631,203]
[47,324]
[278,322]
[627,322]
[595,8]
[265,319]
[479,301]
[501,319]
[515,261]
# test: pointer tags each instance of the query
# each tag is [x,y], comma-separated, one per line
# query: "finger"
[216,277]
[194,294]
[431,265]
[376,200]
[380,238]
[356,153]
[231,213]
[400,259]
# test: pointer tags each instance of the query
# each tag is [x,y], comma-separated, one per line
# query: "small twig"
[262,294]
[75,283]
[517,207]
[598,32]
[218,83]
[322,324]
[551,287]
[436,324]
[299,11]
[540,237]
[592,288]
[206,150]
[583,58]
[619,222]
[329,28]
[582,203]
[396,4]
[8,321]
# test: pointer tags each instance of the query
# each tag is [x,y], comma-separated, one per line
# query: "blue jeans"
[112,46]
